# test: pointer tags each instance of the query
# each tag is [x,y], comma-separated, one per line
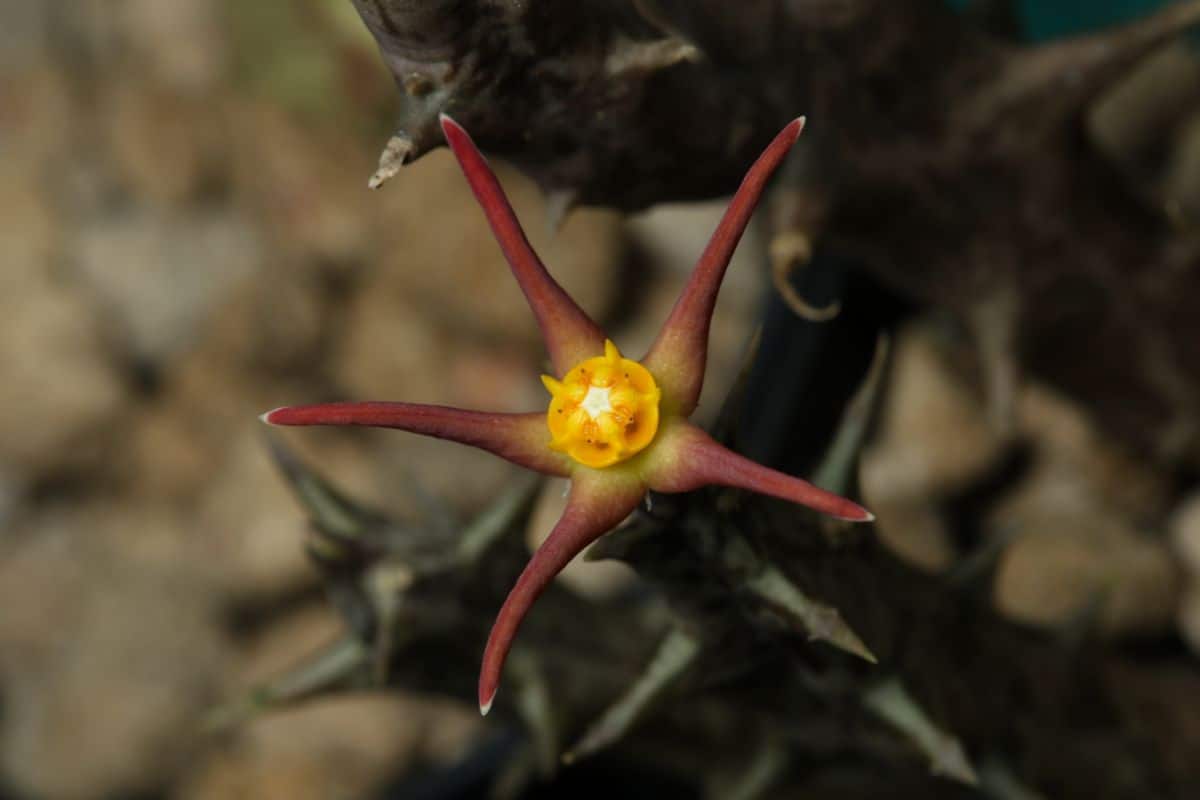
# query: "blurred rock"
[327,747]
[181,43]
[109,671]
[308,191]
[163,144]
[249,523]
[390,348]
[1185,534]
[934,433]
[24,33]
[1068,569]
[59,382]
[159,278]
[1069,450]
[934,439]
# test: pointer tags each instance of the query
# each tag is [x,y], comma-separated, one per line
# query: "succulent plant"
[616,427]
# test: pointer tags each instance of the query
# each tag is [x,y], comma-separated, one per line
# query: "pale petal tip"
[862,515]
[265,417]
[796,127]
[447,122]
[485,707]
[858,514]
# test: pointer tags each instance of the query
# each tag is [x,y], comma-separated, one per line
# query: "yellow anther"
[604,410]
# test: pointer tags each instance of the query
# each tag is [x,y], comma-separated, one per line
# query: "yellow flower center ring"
[604,410]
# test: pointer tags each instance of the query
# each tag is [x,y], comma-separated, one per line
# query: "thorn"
[630,57]
[766,767]
[977,567]
[839,465]
[325,671]
[532,698]
[331,512]
[675,654]
[892,703]
[395,154]
[997,780]
[559,203]
[495,520]
[820,621]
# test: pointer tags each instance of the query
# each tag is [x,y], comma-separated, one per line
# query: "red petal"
[678,356]
[520,438]
[690,458]
[569,333]
[595,507]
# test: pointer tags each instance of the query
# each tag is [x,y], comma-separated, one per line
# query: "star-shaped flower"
[614,426]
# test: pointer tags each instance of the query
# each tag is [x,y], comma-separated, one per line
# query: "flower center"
[604,410]
[596,402]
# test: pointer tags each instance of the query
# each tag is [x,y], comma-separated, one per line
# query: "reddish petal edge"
[595,506]
[569,333]
[689,458]
[677,357]
[520,438]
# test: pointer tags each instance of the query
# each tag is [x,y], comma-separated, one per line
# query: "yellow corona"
[604,410]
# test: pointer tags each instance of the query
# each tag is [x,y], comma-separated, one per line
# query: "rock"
[159,278]
[1069,450]
[60,384]
[1184,526]
[109,672]
[248,522]
[1068,569]
[328,747]
[183,44]
[307,192]
[163,144]
[934,435]
[934,439]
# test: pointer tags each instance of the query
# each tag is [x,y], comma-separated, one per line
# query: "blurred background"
[188,240]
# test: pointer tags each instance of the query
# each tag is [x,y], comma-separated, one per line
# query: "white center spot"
[596,402]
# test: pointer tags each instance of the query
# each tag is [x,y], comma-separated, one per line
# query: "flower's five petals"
[677,357]
[568,331]
[614,426]
[687,458]
[519,438]
[594,508]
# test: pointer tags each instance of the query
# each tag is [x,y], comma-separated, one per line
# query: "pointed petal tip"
[856,514]
[265,417]
[791,132]
[450,127]
[486,705]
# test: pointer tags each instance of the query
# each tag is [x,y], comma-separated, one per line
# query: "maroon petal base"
[693,459]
